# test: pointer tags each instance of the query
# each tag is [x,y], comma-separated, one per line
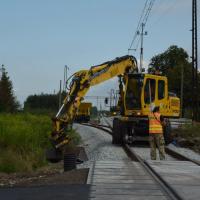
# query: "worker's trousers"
[157,140]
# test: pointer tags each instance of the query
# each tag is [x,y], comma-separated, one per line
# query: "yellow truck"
[83,113]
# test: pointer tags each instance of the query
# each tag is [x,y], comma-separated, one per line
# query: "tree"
[171,63]
[42,102]
[8,102]
[170,60]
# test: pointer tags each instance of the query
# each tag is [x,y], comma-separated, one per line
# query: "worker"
[156,139]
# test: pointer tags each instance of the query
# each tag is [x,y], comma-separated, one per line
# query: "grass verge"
[189,136]
[23,141]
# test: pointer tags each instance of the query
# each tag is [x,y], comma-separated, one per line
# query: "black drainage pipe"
[69,161]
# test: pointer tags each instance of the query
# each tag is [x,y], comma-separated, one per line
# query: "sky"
[39,37]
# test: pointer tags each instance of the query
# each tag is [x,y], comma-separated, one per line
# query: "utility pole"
[60,96]
[142,33]
[97,103]
[195,100]
[66,68]
[182,79]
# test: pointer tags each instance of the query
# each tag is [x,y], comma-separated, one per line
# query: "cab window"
[149,91]
[133,93]
[161,89]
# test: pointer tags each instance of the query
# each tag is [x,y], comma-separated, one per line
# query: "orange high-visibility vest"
[155,125]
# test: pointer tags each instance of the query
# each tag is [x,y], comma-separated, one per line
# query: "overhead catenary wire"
[148,11]
[142,21]
[165,11]
[139,24]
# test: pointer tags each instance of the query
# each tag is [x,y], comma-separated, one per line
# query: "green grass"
[189,131]
[189,136]
[23,141]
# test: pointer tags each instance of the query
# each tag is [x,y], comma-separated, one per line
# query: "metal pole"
[110,98]
[141,49]
[64,80]
[195,103]
[97,102]
[66,70]
[60,93]
[193,91]
[196,62]
[182,78]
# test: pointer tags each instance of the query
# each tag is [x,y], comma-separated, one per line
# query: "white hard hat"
[152,106]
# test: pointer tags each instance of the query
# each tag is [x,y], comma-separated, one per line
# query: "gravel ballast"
[98,145]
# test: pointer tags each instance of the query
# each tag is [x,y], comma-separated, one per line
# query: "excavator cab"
[144,90]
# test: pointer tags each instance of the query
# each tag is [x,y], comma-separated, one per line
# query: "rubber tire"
[125,133]
[53,155]
[117,134]
[167,132]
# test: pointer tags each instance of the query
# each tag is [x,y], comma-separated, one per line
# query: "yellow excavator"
[138,92]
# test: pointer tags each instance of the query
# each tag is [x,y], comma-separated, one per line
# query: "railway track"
[169,190]
[104,128]
[168,151]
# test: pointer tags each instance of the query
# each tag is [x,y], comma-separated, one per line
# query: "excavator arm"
[80,84]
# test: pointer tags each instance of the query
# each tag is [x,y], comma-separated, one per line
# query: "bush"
[189,131]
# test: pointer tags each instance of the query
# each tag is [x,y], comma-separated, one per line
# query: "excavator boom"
[81,82]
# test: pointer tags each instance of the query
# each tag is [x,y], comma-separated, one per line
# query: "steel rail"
[101,127]
[179,156]
[164,185]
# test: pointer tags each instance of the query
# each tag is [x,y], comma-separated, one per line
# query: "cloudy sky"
[39,37]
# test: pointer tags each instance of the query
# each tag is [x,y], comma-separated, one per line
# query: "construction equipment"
[137,93]
[83,114]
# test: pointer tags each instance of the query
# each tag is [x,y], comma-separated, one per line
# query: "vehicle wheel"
[53,155]
[167,132]
[117,136]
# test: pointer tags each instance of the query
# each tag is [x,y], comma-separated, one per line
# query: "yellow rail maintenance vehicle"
[84,111]
[138,92]
[141,93]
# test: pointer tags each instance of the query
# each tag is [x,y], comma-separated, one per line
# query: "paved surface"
[183,176]
[58,192]
[123,180]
